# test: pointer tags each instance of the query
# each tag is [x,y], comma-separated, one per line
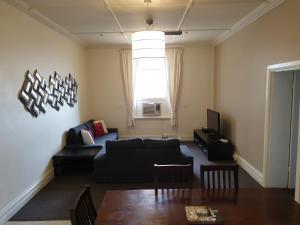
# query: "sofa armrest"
[70,146]
[112,130]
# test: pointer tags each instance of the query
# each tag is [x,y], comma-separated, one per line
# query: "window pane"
[150,79]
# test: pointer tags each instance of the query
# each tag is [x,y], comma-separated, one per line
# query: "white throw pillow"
[87,137]
[103,125]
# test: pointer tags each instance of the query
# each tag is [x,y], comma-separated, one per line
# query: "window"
[151,80]
[150,85]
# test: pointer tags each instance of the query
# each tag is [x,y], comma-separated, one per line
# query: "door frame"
[271,70]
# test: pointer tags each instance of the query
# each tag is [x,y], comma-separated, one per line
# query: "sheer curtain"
[128,82]
[174,67]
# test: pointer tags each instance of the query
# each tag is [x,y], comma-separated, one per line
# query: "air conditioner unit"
[151,109]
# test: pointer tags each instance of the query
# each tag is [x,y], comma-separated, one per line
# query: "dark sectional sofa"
[74,138]
[132,160]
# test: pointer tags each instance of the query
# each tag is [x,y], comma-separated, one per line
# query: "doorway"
[294,131]
[281,148]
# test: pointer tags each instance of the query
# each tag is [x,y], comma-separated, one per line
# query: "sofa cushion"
[125,144]
[156,143]
[122,146]
[107,137]
[160,150]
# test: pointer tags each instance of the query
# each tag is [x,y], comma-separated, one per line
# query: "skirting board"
[251,170]
[15,205]
[182,138]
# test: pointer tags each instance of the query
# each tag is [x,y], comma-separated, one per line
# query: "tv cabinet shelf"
[213,147]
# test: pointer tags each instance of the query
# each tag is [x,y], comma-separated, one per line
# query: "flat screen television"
[213,121]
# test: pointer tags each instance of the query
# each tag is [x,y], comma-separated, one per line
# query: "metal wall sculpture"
[36,94]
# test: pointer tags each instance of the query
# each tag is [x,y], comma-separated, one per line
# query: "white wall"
[27,143]
[106,94]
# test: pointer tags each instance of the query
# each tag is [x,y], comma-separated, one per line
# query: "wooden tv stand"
[213,147]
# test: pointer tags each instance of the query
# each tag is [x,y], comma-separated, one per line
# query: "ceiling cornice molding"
[248,19]
[27,9]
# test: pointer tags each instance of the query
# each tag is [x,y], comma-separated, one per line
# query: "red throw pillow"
[98,129]
[103,125]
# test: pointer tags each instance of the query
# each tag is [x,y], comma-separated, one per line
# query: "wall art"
[36,94]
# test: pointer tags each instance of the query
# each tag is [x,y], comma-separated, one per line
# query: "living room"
[225,70]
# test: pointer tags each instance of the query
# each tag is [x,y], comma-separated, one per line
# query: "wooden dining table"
[261,206]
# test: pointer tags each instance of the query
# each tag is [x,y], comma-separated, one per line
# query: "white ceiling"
[98,22]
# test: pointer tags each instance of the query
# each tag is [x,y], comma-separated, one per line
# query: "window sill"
[152,117]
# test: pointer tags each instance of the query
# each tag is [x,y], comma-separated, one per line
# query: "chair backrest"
[219,176]
[173,176]
[83,212]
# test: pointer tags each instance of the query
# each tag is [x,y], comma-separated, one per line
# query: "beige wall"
[27,143]
[240,77]
[106,94]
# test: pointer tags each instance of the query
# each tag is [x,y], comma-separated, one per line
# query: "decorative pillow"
[103,125]
[87,138]
[98,129]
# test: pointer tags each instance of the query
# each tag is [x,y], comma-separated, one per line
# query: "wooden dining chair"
[173,176]
[219,176]
[83,212]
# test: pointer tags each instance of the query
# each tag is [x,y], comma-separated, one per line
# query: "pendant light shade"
[148,44]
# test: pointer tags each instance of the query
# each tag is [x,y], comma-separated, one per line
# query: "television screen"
[213,121]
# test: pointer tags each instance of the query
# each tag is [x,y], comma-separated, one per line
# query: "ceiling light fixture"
[148,44]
